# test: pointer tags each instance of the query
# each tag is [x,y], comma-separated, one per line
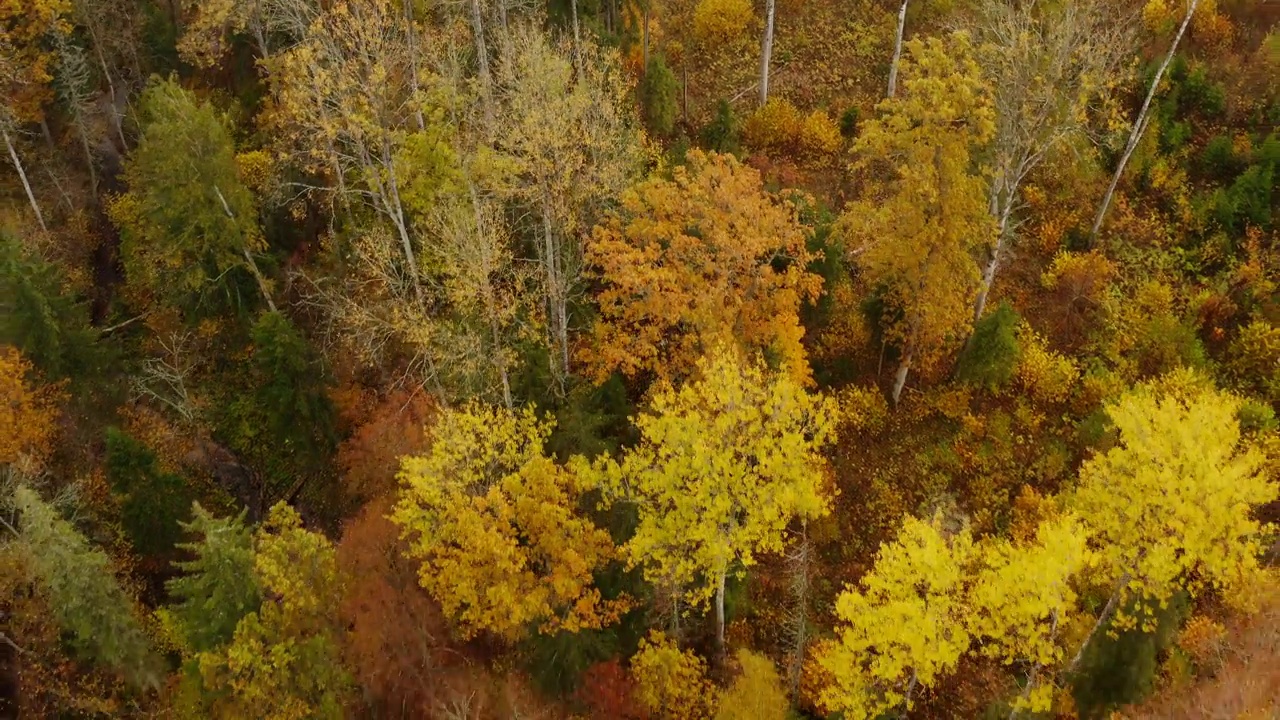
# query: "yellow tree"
[494,522]
[723,465]
[756,693]
[671,683]
[906,628]
[913,235]
[27,412]
[284,661]
[1170,506]
[703,258]
[1021,595]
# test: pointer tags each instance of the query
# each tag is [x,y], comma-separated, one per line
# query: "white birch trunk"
[1140,123]
[22,174]
[766,50]
[897,49]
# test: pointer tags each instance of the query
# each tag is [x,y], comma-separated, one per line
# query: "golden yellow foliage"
[671,683]
[906,627]
[27,412]
[723,466]
[683,271]
[1047,376]
[778,127]
[494,522]
[1170,507]
[756,693]
[721,21]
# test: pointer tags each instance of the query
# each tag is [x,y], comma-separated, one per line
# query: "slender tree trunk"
[1140,123]
[766,50]
[557,313]
[491,306]
[644,42]
[897,49]
[111,88]
[900,379]
[482,50]
[720,578]
[88,156]
[411,36]
[993,264]
[248,257]
[577,40]
[800,582]
[1107,612]
[22,174]
[402,227]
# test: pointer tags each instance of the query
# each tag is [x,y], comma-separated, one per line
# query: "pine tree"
[218,586]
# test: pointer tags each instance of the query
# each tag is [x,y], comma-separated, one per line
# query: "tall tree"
[284,661]
[1048,65]
[217,587]
[723,466]
[152,502]
[27,412]
[87,600]
[914,236]
[905,629]
[494,522]
[42,318]
[575,144]
[683,270]
[1170,507]
[188,217]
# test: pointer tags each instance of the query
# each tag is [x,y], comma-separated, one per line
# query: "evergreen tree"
[87,601]
[218,586]
[291,394]
[153,502]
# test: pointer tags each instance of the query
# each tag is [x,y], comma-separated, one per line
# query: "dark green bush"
[849,122]
[659,91]
[990,358]
[152,501]
[723,132]
[1218,160]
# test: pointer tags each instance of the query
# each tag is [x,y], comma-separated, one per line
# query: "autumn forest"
[640,359]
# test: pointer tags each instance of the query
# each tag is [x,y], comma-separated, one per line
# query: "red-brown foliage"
[608,693]
[370,458]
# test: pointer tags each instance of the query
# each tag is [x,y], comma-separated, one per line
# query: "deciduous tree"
[1170,506]
[913,237]
[27,411]
[723,466]
[495,524]
[906,628]
[705,258]
[284,661]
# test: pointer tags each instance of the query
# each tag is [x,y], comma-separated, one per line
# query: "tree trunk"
[88,157]
[411,36]
[577,40]
[720,577]
[557,313]
[1140,123]
[644,42]
[491,307]
[1107,612]
[900,379]
[897,49]
[993,264]
[248,257]
[482,50]
[766,51]
[22,174]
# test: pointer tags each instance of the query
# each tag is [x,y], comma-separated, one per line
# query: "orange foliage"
[608,693]
[27,412]
[395,642]
[693,261]
[370,458]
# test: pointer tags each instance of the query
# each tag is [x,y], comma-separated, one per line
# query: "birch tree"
[1048,65]
[766,50]
[1140,122]
[723,466]
[897,50]
[913,236]
[575,145]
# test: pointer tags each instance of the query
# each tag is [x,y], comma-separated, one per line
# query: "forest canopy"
[639,359]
